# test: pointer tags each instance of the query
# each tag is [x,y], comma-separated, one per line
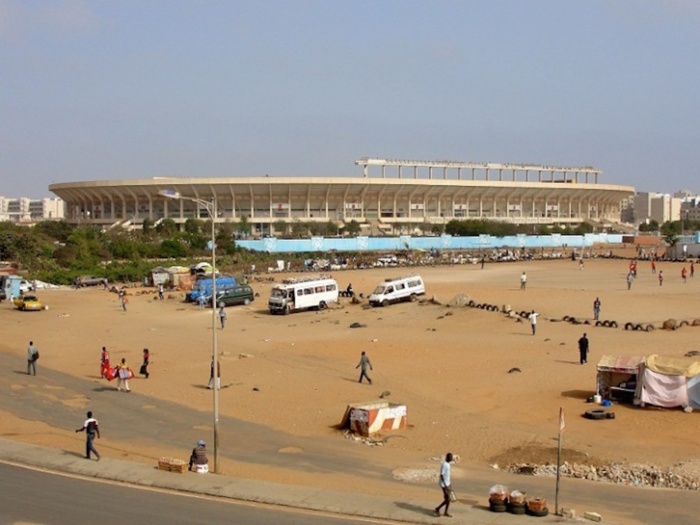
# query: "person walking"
[104,362]
[32,356]
[684,275]
[446,485]
[692,269]
[211,375]
[596,309]
[653,267]
[222,316]
[92,429]
[123,374]
[630,279]
[144,365]
[125,301]
[533,321]
[661,277]
[523,281]
[583,349]
[362,365]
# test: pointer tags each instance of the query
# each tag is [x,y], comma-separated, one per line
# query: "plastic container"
[606,403]
[597,398]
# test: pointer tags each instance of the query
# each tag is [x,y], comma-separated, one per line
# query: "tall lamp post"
[211,210]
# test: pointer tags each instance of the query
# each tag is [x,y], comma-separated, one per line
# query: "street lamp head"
[169,194]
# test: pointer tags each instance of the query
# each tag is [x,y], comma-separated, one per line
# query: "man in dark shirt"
[362,365]
[92,429]
[583,349]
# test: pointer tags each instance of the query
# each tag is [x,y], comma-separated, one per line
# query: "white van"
[302,294]
[398,289]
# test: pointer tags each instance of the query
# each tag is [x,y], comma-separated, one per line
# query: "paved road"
[258,444]
[30,496]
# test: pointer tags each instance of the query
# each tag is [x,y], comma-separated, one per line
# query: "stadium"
[391,196]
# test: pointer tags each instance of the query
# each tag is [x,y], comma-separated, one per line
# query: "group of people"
[632,274]
[122,371]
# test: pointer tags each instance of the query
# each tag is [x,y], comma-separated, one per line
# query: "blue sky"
[95,90]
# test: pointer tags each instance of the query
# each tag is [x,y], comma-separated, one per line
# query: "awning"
[625,364]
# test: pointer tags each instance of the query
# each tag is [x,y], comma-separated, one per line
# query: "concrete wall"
[443,242]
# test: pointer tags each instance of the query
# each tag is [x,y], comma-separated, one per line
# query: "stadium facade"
[405,195]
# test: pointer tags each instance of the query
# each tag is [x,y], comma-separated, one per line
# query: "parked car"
[28,302]
[242,294]
[26,286]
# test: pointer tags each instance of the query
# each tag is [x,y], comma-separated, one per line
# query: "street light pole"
[211,210]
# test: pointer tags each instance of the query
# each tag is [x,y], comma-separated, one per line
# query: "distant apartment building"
[26,210]
[690,209]
[659,207]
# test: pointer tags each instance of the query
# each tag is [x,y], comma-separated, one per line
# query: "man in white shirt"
[533,321]
[32,356]
[523,281]
[445,485]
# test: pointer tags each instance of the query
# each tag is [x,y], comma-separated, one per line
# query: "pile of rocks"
[679,476]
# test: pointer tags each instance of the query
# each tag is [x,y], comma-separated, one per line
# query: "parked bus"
[294,295]
[397,289]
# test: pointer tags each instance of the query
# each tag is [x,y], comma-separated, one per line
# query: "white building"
[405,193]
[26,210]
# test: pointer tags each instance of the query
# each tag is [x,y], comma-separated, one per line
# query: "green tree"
[147,226]
[352,228]
[243,225]
[650,226]
[281,227]
[167,228]
[56,230]
[193,226]
[172,248]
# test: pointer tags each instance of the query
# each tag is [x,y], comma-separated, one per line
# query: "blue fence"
[443,242]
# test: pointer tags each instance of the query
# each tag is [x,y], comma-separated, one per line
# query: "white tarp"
[664,390]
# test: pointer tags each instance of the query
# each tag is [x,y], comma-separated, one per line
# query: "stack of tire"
[498,498]
[517,504]
[537,507]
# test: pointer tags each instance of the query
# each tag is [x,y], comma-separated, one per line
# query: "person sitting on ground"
[199,457]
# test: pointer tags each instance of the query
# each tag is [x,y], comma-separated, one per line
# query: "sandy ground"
[450,366]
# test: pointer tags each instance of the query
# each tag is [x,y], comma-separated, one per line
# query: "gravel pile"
[685,475]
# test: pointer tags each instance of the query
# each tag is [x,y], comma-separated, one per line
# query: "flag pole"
[562,426]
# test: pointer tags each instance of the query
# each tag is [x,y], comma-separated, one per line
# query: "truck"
[204,287]
[298,294]
[397,289]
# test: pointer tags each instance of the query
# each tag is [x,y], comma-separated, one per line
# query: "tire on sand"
[597,413]
[538,513]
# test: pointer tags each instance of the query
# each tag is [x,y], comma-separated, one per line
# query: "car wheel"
[495,507]
[538,513]
[322,305]
[246,302]
[287,310]
[414,298]
[385,303]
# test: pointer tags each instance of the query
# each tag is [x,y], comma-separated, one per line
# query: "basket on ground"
[537,504]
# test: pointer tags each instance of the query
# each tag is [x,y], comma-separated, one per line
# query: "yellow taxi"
[28,302]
